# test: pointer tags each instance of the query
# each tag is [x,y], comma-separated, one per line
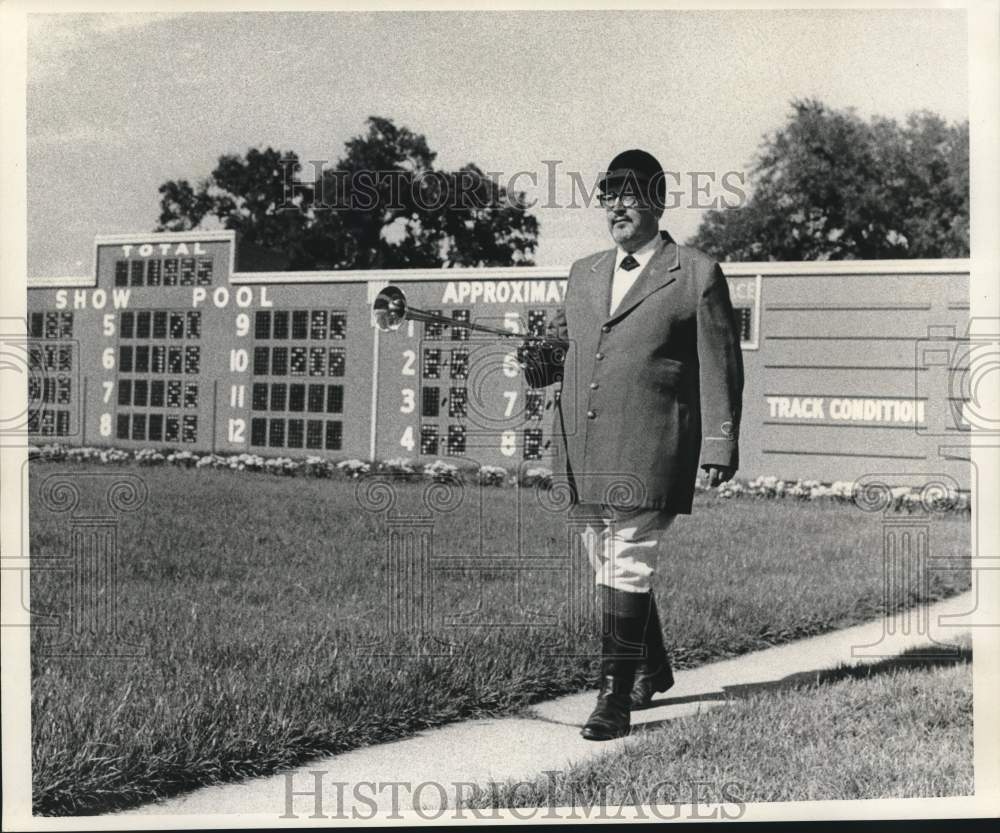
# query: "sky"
[118,104]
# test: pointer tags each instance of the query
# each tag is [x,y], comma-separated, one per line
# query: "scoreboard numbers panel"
[338,359]
[281,324]
[459,333]
[471,398]
[458,402]
[298,361]
[155,377]
[187,271]
[456,440]
[334,399]
[295,404]
[300,324]
[430,404]
[459,364]
[53,380]
[429,440]
[431,363]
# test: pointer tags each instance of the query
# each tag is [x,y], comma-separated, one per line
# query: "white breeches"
[624,546]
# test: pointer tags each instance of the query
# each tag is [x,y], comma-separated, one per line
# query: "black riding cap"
[639,167]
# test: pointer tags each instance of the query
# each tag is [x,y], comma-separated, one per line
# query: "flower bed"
[902,498]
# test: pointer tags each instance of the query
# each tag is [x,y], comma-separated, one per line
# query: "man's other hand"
[718,474]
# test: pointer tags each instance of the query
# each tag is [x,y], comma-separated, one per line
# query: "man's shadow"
[913,660]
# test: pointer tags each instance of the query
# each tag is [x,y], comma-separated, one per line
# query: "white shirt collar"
[642,254]
[624,279]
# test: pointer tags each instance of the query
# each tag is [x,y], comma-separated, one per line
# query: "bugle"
[390,310]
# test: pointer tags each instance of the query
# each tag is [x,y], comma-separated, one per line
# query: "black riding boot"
[624,618]
[653,673]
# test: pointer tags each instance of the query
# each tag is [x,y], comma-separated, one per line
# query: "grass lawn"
[262,607]
[896,729]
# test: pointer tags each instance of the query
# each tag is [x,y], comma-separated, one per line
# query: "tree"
[244,194]
[383,205]
[830,186]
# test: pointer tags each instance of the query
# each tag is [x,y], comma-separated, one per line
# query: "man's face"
[630,225]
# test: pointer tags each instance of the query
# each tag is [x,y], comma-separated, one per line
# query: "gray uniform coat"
[650,388]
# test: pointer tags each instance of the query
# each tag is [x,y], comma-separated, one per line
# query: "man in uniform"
[648,353]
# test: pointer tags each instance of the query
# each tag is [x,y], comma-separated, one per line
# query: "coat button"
[599,356]
[594,386]
[605,329]
[591,414]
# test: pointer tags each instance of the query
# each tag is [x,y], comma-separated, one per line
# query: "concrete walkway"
[546,736]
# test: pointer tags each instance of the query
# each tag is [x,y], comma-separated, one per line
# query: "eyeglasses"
[627,200]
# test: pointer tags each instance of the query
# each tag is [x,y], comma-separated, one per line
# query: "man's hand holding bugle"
[542,360]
